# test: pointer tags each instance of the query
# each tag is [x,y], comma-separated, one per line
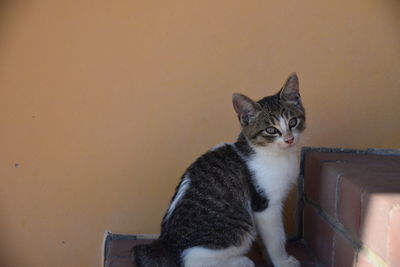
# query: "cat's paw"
[242,261]
[289,262]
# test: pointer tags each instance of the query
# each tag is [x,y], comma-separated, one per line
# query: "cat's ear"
[290,90]
[245,108]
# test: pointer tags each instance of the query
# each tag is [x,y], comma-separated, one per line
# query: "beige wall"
[103,104]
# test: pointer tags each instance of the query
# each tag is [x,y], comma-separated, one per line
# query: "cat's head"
[275,121]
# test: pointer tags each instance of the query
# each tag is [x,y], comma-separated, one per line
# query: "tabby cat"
[235,191]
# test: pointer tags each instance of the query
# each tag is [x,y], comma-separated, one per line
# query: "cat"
[235,191]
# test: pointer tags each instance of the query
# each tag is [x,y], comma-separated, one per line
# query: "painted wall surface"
[103,104]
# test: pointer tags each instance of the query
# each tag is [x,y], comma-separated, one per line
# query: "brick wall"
[352,208]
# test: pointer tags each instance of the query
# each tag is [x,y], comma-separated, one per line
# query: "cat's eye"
[271,130]
[293,123]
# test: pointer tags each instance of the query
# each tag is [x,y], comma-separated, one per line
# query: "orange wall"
[103,104]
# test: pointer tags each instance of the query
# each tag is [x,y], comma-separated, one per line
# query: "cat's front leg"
[270,226]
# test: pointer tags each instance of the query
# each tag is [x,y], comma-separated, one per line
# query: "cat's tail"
[152,255]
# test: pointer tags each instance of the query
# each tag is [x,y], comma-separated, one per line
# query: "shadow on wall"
[7,9]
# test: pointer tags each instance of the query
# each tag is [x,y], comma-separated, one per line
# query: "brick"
[312,171]
[345,253]
[359,191]
[327,190]
[363,261]
[377,202]
[353,178]
[119,262]
[367,170]
[322,170]
[123,248]
[312,166]
[394,237]
[119,253]
[318,235]
[352,186]
[349,205]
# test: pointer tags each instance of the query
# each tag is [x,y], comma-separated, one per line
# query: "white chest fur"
[275,172]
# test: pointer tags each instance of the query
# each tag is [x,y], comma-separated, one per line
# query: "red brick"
[354,178]
[119,253]
[363,261]
[312,171]
[123,248]
[330,177]
[377,202]
[349,205]
[318,235]
[394,237]
[119,262]
[353,182]
[368,188]
[322,170]
[344,253]
[327,190]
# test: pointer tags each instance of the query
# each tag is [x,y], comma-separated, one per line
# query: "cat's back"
[215,182]
[223,178]
[222,162]
[214,192]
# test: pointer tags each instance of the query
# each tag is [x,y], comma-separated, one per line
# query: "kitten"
[235,191]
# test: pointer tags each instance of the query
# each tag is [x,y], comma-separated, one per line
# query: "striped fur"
[235,189]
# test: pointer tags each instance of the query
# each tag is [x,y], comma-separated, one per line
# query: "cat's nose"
[289,140]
